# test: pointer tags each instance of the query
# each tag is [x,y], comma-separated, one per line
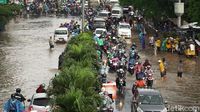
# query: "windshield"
[61,32]
[103,14]
[150,99]
[41,101]
[115,12]
[99,23]
[99,31]
[124,26]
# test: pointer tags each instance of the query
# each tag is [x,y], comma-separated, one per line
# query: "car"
[117,12]
[111,88]
[99,22]
[104,14]
[99,31]
[112,2]
[148,100]
[61,34]
[124,30]
[39,103]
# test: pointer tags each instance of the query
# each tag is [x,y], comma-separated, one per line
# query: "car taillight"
[30,108]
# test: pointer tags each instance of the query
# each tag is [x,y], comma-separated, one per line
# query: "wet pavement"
[26,61]
[25,58]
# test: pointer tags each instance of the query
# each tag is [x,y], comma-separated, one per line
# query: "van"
[104,14]
[117,12]
[61,35]
[112,2]
[99,23]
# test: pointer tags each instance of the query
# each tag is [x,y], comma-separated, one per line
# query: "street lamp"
[179,11]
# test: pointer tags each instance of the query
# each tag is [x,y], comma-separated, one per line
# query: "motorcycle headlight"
[139,109]
[164,110]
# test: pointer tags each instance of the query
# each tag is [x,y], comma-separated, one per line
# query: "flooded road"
[26,62]
[25,58]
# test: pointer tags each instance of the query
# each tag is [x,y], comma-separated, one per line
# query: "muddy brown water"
[25,58]
[26,62]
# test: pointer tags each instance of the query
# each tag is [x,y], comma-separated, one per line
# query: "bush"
[7,12]
[74,87]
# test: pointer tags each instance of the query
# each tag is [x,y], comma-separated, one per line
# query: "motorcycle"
[121,80]
[131,69]
[121,86]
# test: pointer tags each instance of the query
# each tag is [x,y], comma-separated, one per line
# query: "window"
[99,31]
[103,14]
[124,26]
[41,101]
[151,99]
[115,12]
[61,32]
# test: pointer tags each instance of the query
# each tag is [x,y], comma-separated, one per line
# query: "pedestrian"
[162,70]
[165,67]
[51,42]
[180,69]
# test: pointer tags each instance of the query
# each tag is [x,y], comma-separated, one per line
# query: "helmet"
[12,96]
[18,90]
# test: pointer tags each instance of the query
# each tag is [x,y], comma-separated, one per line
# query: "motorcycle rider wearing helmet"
[120,74]
[19,96]
[146,63]
[149,76]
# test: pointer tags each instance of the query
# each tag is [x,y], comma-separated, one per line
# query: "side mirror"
[29,100]
[165,102]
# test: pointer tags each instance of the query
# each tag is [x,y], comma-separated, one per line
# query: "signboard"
[3,1]
[179,9]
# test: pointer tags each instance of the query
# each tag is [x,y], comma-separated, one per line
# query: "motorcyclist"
[13,105]
[41,89]
[120,75]
[138,68]
[149,76]
[146,63]
[19,96]
[138,84]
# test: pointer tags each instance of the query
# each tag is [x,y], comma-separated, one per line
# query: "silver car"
[148,100]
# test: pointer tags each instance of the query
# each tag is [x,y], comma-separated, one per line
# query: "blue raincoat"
[13,104]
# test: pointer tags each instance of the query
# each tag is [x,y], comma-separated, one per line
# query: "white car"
[39,103]
[117,12]
[124,30]
[61,35]
[104,14]
[99,31]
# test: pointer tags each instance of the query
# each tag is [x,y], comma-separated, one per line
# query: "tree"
[194,10]
[75,86]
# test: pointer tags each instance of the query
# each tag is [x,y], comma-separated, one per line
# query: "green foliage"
[153,8]
[74,87]
[7,11]
[194,10]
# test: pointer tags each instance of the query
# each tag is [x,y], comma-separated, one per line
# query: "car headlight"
[139,109]
[164,110]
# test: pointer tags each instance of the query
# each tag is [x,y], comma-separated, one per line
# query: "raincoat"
[163,47]
[13,104]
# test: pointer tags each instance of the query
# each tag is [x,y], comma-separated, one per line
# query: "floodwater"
[26,61]
[25,58]
[185,92]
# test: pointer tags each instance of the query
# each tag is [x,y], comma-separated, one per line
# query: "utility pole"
[83,14]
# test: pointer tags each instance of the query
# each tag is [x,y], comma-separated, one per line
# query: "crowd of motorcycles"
[117,57]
